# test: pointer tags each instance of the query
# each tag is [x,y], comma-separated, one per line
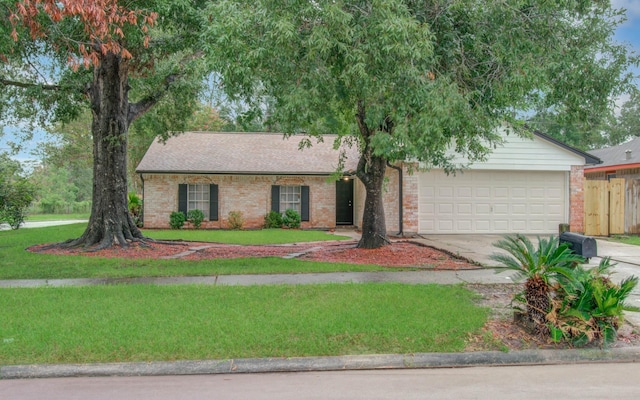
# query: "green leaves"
[528,261]
[585,304]
[16,192]
[588,305]
[446,73]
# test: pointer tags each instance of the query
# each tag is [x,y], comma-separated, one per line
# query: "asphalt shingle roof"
[617,155]
[244,153]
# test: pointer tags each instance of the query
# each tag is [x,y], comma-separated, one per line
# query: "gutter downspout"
[400,207]
[142,213]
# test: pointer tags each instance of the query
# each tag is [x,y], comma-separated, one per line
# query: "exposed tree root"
[145,242]
[376,242]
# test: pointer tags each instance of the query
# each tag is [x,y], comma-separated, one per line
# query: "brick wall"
[410,201]
[250,194]
[391,202]
[576,199]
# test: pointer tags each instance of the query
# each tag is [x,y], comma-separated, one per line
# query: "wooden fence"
[612,207]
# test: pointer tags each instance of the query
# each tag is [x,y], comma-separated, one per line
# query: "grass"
[263,236]
[144,323]
[635,240]
[56,217]
[17,263]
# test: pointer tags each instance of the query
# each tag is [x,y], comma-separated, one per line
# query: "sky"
[627,33]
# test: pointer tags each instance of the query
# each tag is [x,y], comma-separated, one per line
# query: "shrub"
[177,220]
[537,267]
[15,201]
[195,217]
[291,218]
[135,208]
[588,306]
[563,300]
[81,207]
[273,220]
[235,220]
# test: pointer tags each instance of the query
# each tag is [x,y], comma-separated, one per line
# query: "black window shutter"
[275,198]
[304,204]
[213,202]
[182,198]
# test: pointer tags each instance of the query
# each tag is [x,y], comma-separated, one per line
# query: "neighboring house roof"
[244,153]
[626,155]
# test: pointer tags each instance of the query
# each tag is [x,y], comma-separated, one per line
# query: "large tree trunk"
[374,228]
[110,222]
[371,170]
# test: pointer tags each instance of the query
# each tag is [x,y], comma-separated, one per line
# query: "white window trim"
[290,198]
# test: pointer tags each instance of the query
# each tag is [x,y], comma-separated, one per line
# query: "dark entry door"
[344,202]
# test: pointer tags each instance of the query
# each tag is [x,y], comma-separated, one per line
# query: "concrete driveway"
[478,248]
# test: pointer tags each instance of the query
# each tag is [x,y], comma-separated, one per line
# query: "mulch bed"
[397,254]
[502,332]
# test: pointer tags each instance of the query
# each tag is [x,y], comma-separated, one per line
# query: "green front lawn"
[262,236]
[17,263]
[56,217]
[145,323]
[635,240]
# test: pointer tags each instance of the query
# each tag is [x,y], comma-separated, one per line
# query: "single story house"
[528,185]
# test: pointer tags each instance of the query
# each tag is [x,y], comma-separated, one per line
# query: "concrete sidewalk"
[42,224]
[481,276]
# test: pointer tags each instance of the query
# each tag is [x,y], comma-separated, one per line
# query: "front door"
[344,202]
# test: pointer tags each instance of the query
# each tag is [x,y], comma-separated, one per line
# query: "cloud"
[632,7]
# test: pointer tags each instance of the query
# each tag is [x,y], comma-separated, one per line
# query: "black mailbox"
[582,245]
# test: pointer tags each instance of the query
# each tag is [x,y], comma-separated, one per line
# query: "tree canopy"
[627,124]
[413,80]
[119,60]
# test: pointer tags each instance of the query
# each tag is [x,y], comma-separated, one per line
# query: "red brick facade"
[576,199]
[250,194]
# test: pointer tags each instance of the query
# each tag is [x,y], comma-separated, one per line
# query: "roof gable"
[536,152]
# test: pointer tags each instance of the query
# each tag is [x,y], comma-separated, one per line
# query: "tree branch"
[27,85]
[138,109]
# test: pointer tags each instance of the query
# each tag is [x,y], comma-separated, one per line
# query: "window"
[296,197]
[289,198]
[201,197]
[198,199]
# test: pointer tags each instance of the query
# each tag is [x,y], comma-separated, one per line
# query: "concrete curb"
[337,363]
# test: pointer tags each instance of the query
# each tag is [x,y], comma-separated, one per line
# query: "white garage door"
[492,202]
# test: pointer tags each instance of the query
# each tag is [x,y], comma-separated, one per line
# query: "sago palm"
[537,267]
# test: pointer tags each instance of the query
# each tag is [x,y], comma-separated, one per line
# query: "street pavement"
[566,382]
